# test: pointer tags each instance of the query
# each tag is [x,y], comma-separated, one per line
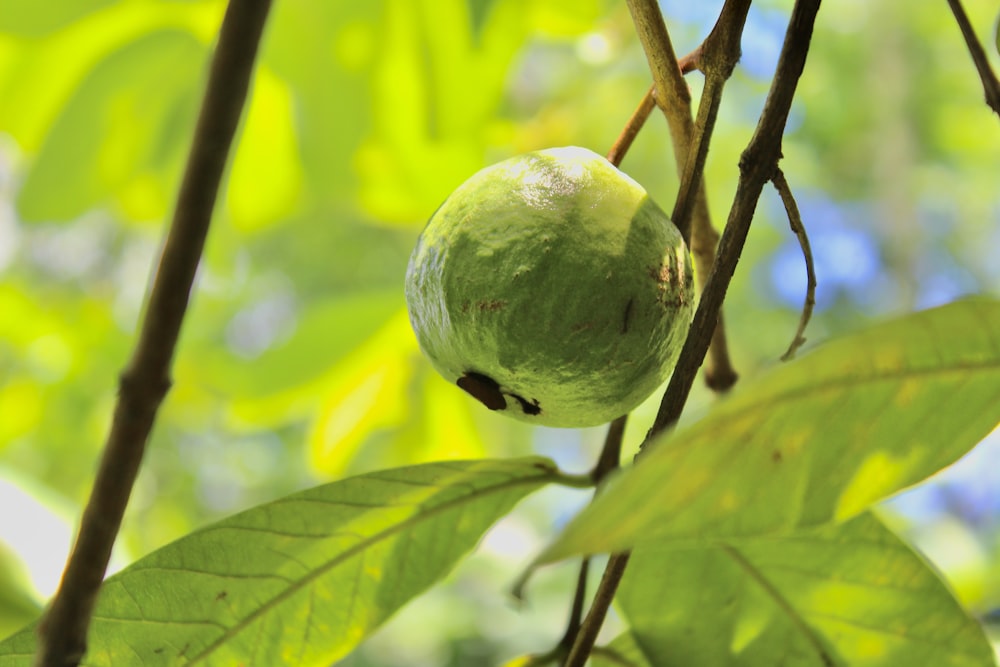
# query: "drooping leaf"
[848,595]
[816,440]
[304,579]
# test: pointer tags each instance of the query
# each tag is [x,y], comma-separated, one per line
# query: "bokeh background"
[297,365]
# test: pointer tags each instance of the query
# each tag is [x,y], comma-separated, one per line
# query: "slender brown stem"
[146,380]
[669,88]
[991,86]
[757,166]
[611,452]
[576,612]
[607,462]
[673,98]
[717,57]
[687,64]
[795,222]
[631,129]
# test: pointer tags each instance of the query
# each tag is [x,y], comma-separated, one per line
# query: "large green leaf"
[817,440]
[851,595]
[304,579]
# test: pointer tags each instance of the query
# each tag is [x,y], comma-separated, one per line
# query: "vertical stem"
[146,380]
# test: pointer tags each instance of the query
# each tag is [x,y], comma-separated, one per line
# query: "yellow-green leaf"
[850,595]
[814,441]
[302,580]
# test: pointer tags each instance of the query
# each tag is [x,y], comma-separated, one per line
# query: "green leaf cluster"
[742,556]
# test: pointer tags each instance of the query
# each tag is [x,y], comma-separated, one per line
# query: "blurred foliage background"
[297,365]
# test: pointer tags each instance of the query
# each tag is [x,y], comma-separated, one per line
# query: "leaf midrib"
[548,475]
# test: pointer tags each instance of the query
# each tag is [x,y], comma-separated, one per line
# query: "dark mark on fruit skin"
[627,316]
[484,389]
[531,408]
[491,306]
[663,278]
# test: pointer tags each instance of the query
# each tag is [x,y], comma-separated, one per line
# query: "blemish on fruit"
[484,389]
[490,305]
[627,316]
[532,408]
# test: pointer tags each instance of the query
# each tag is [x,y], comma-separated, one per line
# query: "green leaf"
[847,595]
[304,579]
[122,134]
[816,440]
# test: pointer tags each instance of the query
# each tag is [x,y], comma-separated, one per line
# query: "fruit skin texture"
[552,288]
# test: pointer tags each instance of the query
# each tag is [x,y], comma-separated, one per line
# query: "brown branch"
[718,56]
[757,166]
[631,129]
[144,383]
[991,86]
[674,100]
[686,65]
[587,637]
[795,222]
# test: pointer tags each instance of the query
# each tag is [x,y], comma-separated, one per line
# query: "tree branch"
[631,129]
[145,382]
[757,166]
[673,98]
[991,86]
[795,222]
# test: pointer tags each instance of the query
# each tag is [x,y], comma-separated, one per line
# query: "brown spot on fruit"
[626,316]
[484,389]
[490,305]
[532,408]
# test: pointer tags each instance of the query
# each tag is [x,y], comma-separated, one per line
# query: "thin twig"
[795,222]
[607,462]
[757,166]
[991,86]
[576,612]
[611,452]
[716,57]
[146,380]
[599,606]
[631,129]
[687,64]
[674,100]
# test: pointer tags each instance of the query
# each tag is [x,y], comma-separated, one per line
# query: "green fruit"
[551,288]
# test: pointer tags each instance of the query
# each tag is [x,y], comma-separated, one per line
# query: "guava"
[551,288]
